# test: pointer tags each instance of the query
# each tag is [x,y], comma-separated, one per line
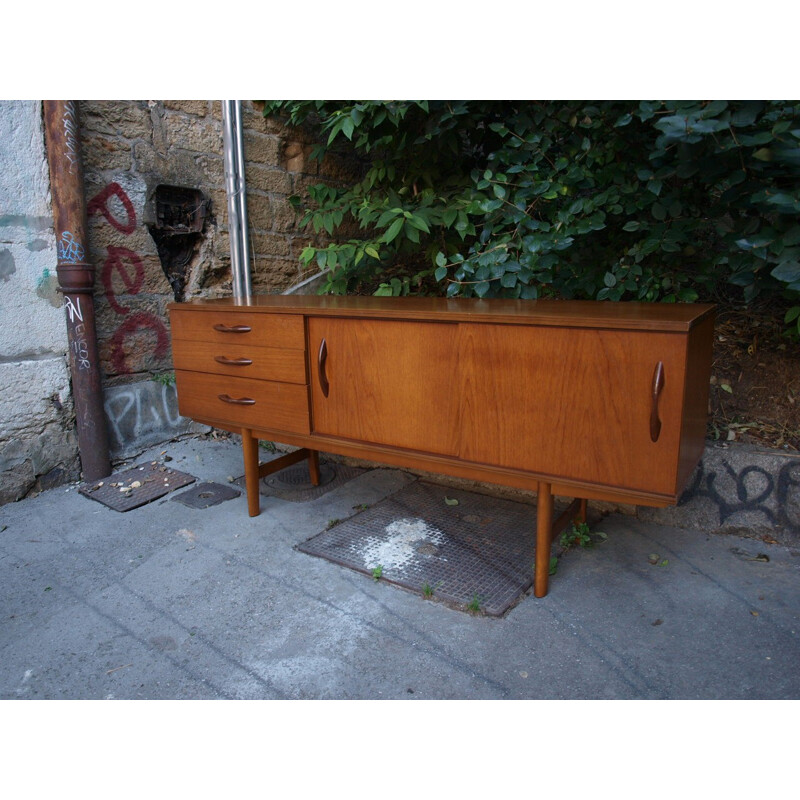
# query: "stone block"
[740,489]
[102,153]
[267,179]
[259,211]
[273,275]
[199,108]
[137,341]
[270,244]
[142,415]
[35,393]
[186,133]
[127,118]
[212,169]
[261,148]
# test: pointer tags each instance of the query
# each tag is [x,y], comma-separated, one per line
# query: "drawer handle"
[322,359]
[232,328]
[658,386]
[233,362]
[241,401]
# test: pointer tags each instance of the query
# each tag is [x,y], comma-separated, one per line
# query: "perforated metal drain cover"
[297,476]
[478,550]
[293,483]
[136,486]
[205,495]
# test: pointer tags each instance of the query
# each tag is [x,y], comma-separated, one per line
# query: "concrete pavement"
[166,601]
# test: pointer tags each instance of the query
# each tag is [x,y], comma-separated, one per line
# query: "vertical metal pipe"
[242,198]
[76,282]
[233,152]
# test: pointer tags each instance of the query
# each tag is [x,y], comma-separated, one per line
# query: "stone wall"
[38,446]
[137,156]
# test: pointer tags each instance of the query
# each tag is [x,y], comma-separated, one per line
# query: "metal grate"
[205,495]
[478,550]
[294,482]
[136,486]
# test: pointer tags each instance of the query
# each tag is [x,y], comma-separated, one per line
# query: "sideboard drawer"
[241,360]
[243,401]
[284,331]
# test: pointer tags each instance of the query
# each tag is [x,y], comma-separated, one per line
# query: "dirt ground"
[755,378]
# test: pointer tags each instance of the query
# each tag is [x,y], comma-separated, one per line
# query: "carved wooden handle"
[241,401]
[233,362]
[232,328]
[658,385]
[322,358]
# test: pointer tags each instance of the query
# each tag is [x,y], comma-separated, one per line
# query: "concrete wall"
[38,446]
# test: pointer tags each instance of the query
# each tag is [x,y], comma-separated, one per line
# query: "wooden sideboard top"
[664,317]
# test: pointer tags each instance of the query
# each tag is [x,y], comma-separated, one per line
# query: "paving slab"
[167,601]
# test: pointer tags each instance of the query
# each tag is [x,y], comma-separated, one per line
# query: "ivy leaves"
[650,200]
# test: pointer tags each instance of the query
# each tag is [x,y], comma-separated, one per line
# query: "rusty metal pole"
[76,282]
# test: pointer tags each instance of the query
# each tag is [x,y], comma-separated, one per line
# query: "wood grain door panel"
[572,403]
[389,382]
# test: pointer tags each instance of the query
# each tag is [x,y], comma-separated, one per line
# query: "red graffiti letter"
[99,203]
[141,320]
[132,283]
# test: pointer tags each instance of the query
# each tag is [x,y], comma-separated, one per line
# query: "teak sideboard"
[591,400]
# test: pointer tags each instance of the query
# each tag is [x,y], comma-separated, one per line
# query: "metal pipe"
[233,152]
[242,197]
[76,282]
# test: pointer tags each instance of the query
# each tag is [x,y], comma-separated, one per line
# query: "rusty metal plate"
[136,486]
[478,550]
[293,483]
[207,494]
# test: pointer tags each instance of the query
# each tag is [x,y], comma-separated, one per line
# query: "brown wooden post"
[544,536]
[251,473]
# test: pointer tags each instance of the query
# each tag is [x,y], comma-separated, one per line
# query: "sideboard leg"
[544,528]
[582,511]
[313,466]
[250,453]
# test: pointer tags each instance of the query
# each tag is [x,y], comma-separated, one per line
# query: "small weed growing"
[553,566]
[377,573]
[268,446]
[165,378]
[332,523]
[361,507]
[578,535]
[474,605]
[427,590]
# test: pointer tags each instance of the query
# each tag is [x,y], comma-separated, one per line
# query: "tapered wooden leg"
[250,453]
[544,534]
[313,467]
[582,511]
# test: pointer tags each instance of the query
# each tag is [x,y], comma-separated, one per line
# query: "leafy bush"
[651,200]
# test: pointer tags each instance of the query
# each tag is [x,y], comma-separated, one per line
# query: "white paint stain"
[401,546]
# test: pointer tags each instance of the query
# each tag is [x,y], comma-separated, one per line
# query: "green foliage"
[164,378]
[651,200]
[578,534]
[474,605]
[377,572]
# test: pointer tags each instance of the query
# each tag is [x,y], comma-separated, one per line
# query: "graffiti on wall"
[123,265]
[70,125]
[776,498]
[70,251]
